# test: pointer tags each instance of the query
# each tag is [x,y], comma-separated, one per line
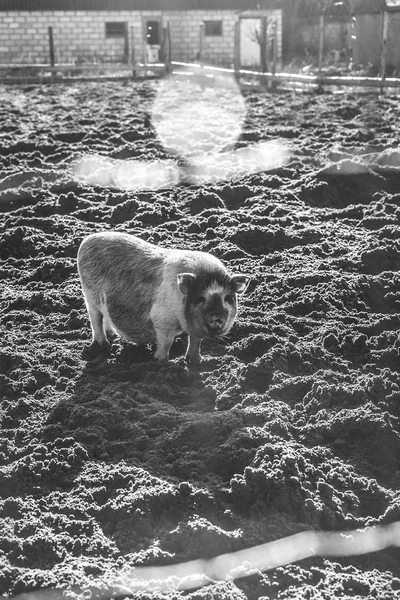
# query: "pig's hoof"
[161,361]
[193,360]
[111,336]
[96,350]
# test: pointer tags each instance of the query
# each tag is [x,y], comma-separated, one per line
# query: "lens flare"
[94,170]
[199,118]
[192,117]
[230,566]
[125,174]
[135,174]
[215,167]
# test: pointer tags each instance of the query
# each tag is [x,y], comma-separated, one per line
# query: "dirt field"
[290,424]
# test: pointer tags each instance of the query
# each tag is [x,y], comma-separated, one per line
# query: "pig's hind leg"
[100,344]
[96,321]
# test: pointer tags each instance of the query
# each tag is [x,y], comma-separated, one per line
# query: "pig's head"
[211,301]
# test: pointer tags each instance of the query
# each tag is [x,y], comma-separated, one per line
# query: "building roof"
[43,5]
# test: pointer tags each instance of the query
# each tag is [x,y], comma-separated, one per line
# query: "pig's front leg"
[193,352]
[164,343]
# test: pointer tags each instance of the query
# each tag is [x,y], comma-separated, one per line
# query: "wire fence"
[365,44]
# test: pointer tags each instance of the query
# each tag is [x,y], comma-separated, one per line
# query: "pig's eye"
[199,300]
[230,300]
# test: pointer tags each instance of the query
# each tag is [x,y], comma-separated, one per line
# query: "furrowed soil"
[291,423]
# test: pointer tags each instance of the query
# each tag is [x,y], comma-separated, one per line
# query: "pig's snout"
[215,323]
[215,314]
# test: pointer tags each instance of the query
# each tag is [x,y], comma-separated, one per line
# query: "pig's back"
[122,274]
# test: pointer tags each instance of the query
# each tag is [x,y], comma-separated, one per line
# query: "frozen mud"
[291,423]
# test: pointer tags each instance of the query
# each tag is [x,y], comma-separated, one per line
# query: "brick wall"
[185,36]
[80,35]
[77,36]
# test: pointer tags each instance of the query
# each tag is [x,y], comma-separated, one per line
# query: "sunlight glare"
[139,174]
[215,167]
[191,117]
[125,174]
[94,170]
[230,566]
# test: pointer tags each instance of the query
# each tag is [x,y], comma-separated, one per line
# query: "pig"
[149,294]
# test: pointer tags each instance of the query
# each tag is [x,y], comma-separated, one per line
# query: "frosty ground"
[291,423]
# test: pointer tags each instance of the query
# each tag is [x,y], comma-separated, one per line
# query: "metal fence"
[366,44]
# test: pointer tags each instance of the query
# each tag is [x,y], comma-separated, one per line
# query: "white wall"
[80,35]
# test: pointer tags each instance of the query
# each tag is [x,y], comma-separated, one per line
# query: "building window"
[213,28]
[115,30]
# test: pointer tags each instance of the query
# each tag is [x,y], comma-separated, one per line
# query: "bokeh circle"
[195,113]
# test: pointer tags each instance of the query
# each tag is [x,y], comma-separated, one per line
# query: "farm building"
[217,31]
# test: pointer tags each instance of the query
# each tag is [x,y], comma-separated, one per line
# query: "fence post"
[126,43]
[51,47]
[264,45]
[201,42]
[144,41]
[167,48]
[236,49]
[321,43]
[132,56]
[385,27]
[274,46]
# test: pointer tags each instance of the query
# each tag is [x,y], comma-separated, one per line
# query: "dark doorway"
[153,37]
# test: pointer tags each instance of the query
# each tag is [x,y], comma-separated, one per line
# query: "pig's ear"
[185,280]
[240,283]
